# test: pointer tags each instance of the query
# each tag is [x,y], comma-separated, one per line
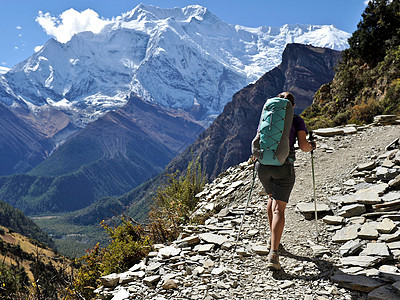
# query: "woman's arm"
[305,145]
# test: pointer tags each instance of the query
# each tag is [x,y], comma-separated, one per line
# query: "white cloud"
[70,22]
[16,48]
[366,2]
[18,27]
[38,48]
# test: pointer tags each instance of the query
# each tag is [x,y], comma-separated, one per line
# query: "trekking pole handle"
[311,138]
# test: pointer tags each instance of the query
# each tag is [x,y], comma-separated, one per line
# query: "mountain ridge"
[148,46]
[109,157]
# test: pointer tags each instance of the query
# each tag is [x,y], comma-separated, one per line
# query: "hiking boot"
[273,261]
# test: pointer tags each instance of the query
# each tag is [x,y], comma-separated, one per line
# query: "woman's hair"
[287,95]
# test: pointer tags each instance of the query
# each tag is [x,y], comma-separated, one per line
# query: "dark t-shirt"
[297,125]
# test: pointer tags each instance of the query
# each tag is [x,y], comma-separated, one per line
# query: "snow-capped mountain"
[180,58]
[4,70]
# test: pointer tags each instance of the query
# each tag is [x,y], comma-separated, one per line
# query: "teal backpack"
[271,144]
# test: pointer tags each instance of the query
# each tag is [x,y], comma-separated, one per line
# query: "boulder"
[329,131]
[357,282]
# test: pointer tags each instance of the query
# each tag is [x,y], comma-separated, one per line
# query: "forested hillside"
[15,220]
[367,81]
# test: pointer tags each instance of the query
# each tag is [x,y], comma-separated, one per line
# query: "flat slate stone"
[308,209]
[388,238]
[368,232]
[376,249]
[343,200]
[352,210]
[319,250]
[396,287]
[395,183]
[357,282]
[359,261]
[150,280]
[333,220]
[349,130]
[391,196]
[212,238]
[329,131]
[191,240]
[393,245]
[368,166]
[371,195]
[386,226]
[350,247]
[122,294]
[203,248]
[346,234]
[392,276]
[110,280]
[260,249]
[169,251]
[385,292]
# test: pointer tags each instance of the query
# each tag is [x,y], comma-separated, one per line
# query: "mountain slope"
[21,145]
[16,221]
[227,141]
[108,157]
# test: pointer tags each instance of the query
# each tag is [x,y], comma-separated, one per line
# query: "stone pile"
[355,256]
[366,224]
[352,128]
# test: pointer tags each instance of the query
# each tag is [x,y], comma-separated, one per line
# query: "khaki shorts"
[277,181]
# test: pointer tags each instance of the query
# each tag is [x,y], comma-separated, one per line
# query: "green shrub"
[174,202]
[13,281]
[128,245]
[391,100]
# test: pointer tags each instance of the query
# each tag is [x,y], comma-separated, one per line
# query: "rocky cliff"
[227,141]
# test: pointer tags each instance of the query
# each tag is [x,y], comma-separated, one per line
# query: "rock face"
[22,146]
[208,265]
[227,142]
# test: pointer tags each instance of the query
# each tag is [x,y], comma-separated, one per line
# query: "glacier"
[181,58]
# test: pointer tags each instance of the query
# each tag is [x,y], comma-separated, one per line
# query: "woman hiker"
[278,182]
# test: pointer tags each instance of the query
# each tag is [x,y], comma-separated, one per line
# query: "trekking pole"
[311,138]
[247,203]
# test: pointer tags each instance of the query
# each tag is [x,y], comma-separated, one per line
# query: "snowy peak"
[4,70]
[182,58]
[154,13]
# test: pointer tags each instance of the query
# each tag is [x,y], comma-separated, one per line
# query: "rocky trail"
[355,255]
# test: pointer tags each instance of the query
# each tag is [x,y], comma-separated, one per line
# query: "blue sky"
[22,26]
